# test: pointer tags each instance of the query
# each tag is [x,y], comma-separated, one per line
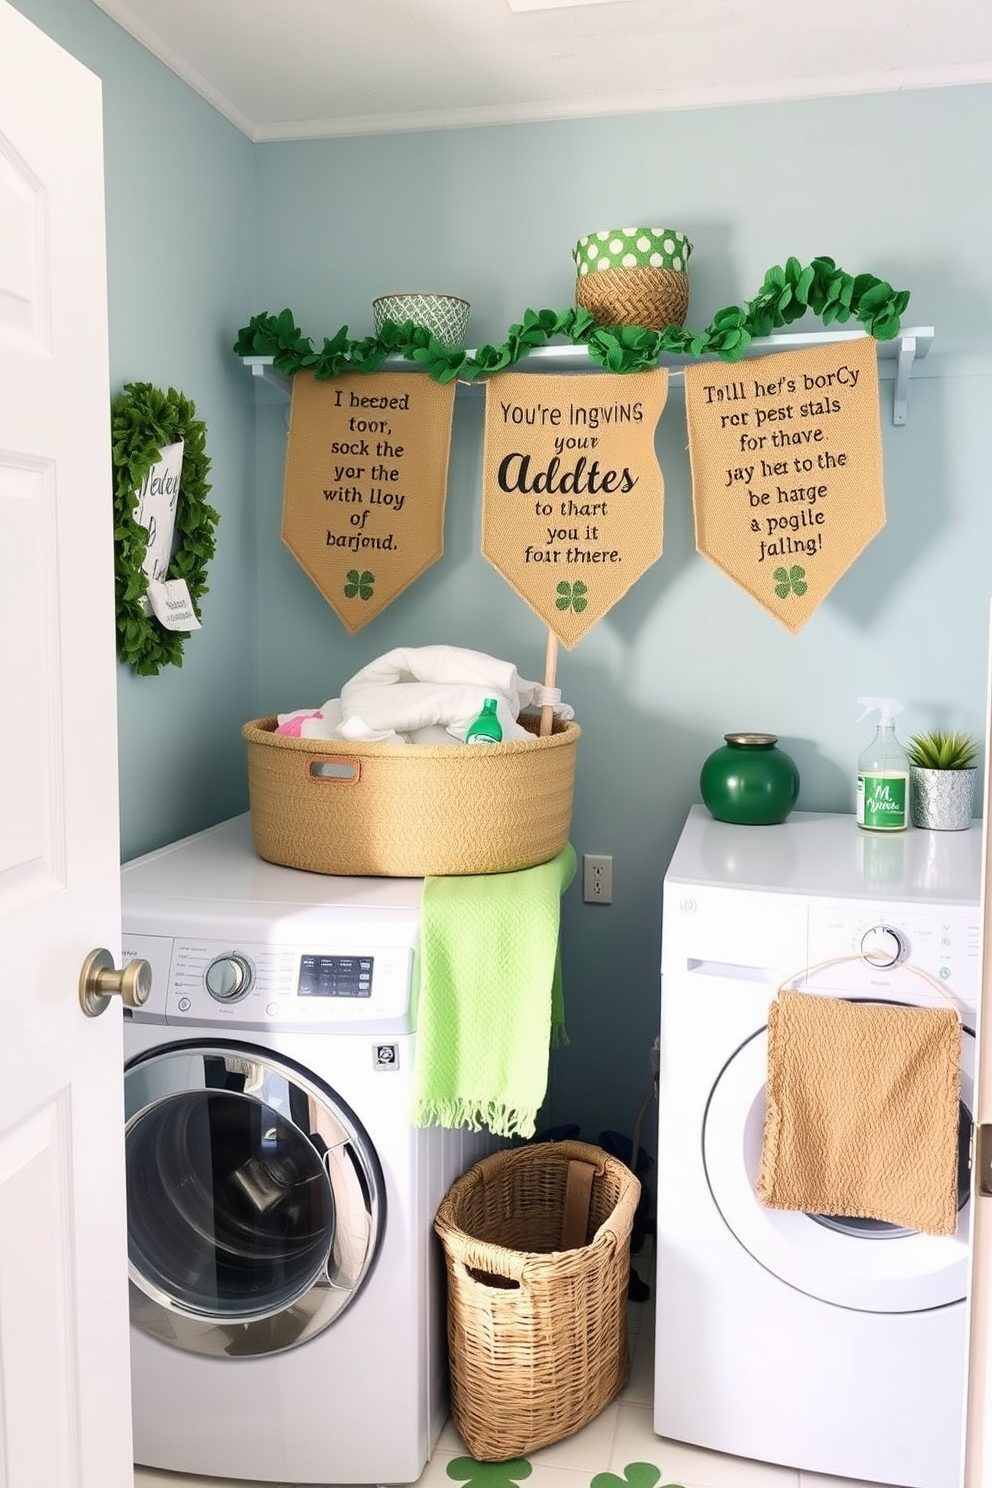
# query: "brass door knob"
[99,981]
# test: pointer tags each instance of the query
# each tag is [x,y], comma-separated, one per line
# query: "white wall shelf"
[897,360]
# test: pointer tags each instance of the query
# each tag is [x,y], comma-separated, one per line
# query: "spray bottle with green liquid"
[883,772]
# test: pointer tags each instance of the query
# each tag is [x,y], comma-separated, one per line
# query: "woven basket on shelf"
[444,315]
[410,810]
[537,1249]
[633,276]
[652,298]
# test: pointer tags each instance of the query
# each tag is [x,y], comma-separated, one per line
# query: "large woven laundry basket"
[410,810]
[537,1249]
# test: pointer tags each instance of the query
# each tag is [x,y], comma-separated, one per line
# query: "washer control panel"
[882,946]
[229,978]
[872,945]
[214,984]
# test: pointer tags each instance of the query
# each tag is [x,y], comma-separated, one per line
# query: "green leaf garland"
[143,421]
[787,294]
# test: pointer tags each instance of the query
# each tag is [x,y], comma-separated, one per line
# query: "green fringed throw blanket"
[490,1006]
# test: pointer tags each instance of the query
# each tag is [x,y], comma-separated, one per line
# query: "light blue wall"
[181,270]
[884,184]
[891,184]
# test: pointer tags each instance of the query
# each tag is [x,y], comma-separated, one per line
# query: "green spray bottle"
[883,772]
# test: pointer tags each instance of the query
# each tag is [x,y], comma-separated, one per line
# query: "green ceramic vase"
[749,781]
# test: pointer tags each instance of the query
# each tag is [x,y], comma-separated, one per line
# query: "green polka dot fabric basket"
[634,276]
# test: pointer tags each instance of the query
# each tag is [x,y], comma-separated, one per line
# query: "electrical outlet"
[597,879]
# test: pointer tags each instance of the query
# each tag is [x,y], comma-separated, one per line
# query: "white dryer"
[830,1345]
[287,1289]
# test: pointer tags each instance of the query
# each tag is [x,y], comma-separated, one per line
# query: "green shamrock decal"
[572,596]
[489,1474]
[359,584]
[635,1475]
[790,581]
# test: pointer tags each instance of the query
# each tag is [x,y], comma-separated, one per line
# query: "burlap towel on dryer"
[862,1111]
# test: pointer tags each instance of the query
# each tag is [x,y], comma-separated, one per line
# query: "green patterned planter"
[632,248]
[445,316]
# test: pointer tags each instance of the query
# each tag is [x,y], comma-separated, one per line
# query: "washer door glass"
[254,1200]
[861,1264]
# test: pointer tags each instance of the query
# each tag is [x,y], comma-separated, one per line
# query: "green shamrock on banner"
[359,584]
[790,581]
[571,596]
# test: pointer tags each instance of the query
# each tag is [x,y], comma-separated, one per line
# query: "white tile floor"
[619,1436]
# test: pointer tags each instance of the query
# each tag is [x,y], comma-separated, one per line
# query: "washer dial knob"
[881,945]
[229,978]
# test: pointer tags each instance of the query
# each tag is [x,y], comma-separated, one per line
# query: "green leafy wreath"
[143,421]
[786,295]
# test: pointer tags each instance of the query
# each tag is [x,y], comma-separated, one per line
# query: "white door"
[64,1382]
[978,1425]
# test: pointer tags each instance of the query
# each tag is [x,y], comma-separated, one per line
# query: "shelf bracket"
[904,361]
[262,368]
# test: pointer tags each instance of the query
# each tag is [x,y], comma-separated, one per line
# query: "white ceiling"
[302,69]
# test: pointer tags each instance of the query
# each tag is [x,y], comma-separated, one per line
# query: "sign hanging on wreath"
[164,528]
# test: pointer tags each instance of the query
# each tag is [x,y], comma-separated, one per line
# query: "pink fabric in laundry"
[294,726]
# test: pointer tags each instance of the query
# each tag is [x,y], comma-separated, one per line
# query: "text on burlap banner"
[365,484]
[573,495]
[786,456]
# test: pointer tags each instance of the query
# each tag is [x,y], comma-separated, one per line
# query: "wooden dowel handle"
[550,667]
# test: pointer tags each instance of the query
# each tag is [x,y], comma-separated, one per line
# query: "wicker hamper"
[537,1249]
[410,810]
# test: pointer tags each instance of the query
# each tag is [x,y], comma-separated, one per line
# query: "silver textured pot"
[942,800]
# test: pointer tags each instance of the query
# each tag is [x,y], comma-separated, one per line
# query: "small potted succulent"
[942,773]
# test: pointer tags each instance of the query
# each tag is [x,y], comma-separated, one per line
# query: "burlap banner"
[786,456]
[573,494]
[365,484]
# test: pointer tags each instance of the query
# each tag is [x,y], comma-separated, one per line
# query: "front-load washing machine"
[286,1285]
[834,1345]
